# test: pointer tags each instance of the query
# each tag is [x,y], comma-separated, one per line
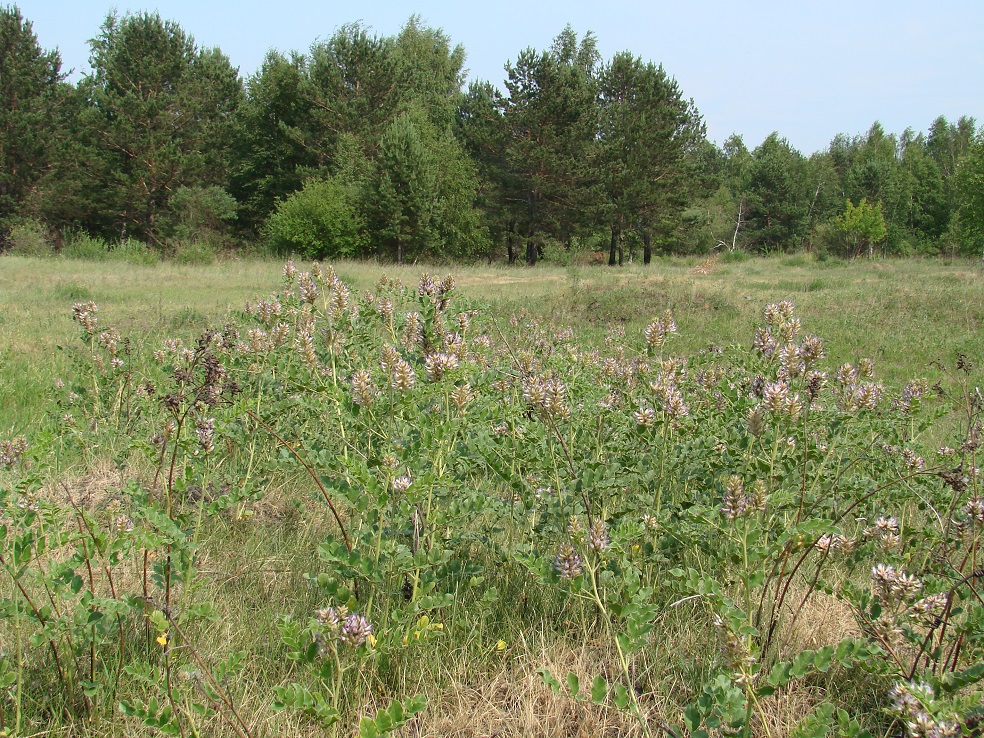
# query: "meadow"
[719,497]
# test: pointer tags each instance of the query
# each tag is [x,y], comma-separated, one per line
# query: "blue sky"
[806,69]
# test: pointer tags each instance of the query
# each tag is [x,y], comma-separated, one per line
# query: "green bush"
[470,476]
[734,257]
[29,238]
[133,251]
[81,245]
[193,252]
[319,221]
[201,216]
[796,260]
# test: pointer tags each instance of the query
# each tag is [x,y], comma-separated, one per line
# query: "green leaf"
[803,663]
[691,718]
[781,673]
[955,681]
[573,684]
[549,680]
[599,690]
[822,661]
[620,697]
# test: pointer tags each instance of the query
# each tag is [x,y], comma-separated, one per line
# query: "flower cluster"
[402,484]
[413,333]
[363,390]
[338,624]
[304,344]
[12,450]
[890,585]
[911,460]
[668,394]
[912,700]
[290,271]
[854,392]
[929,609]
[438,364]
[205,430]
[307,287]
[886,531]
[84,313]
[831,542]
[438,295]
[658,331]
[911,393]
[568,563]
[546,395]
[598,539]
[267,311]
[644,416]
[461,396]
[402,376]
[738,501]
[777,399]
[338,298]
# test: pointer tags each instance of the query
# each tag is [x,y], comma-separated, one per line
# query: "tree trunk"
[511,243]
[531,252]
[399,251]
[621,244]
[647,247]
[613,246]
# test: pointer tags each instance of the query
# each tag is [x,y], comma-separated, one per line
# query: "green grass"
[904,314]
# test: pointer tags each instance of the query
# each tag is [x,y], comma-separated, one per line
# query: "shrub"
[30,238]
[318,221]
[734,257]
[80,245]
[203,215]
[133,251]
[194,251]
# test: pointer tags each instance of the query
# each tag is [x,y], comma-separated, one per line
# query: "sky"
[809,70]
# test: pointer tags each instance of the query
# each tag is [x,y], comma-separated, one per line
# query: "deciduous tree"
[863,225]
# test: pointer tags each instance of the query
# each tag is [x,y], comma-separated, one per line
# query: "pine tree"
[552,122]
[29,98]
[159,111]
[650,140]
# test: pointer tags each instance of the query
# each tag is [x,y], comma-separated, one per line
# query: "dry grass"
[511,699]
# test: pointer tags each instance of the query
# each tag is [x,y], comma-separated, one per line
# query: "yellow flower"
[438,626]
[372,640]
[500,646]
[162,639]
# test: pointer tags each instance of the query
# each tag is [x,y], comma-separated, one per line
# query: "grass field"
[544,543]
[905,314]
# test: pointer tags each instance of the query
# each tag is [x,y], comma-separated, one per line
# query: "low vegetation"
[304,500]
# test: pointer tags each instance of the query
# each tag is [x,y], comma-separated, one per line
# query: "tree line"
[373,146]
